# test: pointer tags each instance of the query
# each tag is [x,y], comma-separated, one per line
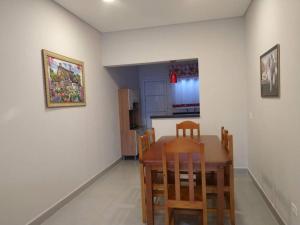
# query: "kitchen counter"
[177,115]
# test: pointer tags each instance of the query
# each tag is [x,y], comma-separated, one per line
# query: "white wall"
[274,147]
[47,153]
[219,46]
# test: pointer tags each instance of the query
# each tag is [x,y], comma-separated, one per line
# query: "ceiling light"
[108,0]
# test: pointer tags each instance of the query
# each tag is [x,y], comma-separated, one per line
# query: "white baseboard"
[273,209]
[240,170]
[56,206]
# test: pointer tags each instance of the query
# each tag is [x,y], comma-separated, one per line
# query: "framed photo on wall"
[64,80]
[270,72]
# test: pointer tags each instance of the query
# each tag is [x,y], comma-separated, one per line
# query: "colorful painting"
[64,80]
[269,73]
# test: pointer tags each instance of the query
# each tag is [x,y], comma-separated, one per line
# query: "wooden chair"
[191,197]
[151,135]
[228,177]
[157,186]
[211,175]
[224,134]
[188,125]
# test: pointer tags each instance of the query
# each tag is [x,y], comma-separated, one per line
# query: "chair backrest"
[224,134]
[188,125]
[180,155]
[151,134]
[143,145]
[229,145]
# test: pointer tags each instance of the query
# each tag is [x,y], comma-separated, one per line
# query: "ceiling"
[133,14]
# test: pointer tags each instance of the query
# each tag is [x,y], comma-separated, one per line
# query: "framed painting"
[270,72]
[64,80]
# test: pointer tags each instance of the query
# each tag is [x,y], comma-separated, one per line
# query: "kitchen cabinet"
[129,114]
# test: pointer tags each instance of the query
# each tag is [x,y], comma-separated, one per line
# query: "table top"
[215,154]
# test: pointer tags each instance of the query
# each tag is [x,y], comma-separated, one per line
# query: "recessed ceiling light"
[108,0]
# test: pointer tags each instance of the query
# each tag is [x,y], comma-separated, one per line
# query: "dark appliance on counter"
[134,116]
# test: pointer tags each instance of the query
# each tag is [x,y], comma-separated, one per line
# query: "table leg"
[220,187]
[149,197]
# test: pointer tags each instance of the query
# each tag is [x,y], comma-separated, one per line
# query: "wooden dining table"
[216,159]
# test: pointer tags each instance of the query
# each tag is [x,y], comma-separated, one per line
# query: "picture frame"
[270,72]
[64,80]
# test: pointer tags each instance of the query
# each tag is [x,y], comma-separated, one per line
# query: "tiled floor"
[114,199]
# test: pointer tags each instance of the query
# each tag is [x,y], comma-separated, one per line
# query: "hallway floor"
[114,199]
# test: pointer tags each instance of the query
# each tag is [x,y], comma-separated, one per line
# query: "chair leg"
[201,218]
[172,219]
[167,216]
[204,216]
[232,211]
[143,198]
[231,197]
[143,206]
